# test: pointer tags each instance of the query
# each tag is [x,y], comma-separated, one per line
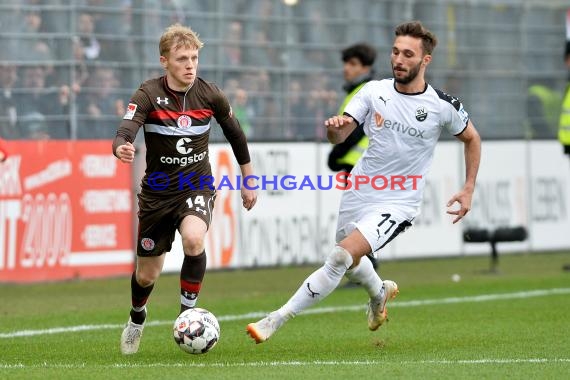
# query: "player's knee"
[339,257]
[193,244]
[147,277]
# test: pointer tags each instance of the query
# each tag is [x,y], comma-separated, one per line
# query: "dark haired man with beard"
[403,117]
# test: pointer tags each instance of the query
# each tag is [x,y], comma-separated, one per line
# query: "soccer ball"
[196,331]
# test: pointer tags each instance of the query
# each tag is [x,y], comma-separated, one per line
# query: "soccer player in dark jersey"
[176,112]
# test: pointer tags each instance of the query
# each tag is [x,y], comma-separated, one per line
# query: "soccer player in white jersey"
[403,118]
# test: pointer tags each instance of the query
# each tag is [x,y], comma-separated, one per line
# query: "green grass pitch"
[512,324]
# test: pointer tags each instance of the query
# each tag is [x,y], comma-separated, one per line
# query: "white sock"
[365,275]
[319,284]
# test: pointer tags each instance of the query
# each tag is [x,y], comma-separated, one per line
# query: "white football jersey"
[400,151]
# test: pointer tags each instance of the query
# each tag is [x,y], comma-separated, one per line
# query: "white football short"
[378,223]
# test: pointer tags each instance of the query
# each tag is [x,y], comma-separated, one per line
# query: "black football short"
[159,219]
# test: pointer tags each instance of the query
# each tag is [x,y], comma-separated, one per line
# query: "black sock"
[139,297]
[191,276]
[138,317]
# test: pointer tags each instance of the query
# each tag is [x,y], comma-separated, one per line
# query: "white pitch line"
[319,310]
[294,363]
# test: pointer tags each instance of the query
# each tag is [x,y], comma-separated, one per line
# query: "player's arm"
[472,151]
[136,114]
[340,150]
[123,147]
[235,136]
[230,125]
[339,127]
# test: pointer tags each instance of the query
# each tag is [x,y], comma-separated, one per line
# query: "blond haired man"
[175,111]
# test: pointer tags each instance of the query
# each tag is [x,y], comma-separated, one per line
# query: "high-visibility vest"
[550,101]
[564,125]
[353,155]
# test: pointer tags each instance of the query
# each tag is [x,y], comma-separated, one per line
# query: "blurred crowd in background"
[68,68]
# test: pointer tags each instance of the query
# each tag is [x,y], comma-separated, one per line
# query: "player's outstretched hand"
[464,199]
[126,153]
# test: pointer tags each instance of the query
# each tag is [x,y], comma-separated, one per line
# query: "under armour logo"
[313,294]
[159,100]
[190,295]
[384,100]
[199,209]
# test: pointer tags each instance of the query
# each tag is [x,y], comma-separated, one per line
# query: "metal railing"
[489,53]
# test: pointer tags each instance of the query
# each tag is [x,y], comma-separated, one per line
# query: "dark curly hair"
[364,52]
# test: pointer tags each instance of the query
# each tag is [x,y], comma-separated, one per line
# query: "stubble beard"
[412,74]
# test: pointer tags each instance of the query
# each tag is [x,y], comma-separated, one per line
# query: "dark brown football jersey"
[176,130]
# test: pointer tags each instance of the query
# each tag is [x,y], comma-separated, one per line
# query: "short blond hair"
[178,36]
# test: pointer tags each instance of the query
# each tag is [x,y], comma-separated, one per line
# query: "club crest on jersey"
[184,121]
[131,109]
[159,100]
[147,244]
[421,113]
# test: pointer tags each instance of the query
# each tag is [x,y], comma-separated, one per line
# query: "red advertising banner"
[65,212]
